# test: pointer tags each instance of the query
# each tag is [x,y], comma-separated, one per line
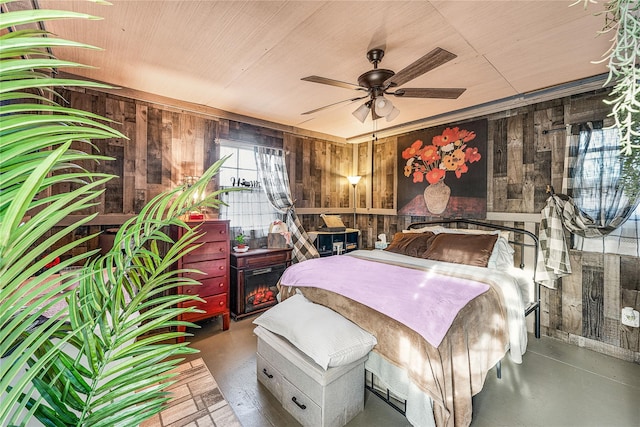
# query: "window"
[594,180]
[249,211]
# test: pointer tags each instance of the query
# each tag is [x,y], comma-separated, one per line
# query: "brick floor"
[196,401]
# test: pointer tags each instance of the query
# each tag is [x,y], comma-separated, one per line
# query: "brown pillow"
[469,249]
[412,244]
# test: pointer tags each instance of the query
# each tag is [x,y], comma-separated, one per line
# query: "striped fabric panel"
[272,172]
[553,260]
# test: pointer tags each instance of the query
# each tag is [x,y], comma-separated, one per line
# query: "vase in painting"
[436,196]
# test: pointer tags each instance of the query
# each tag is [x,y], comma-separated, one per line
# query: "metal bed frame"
[533,307]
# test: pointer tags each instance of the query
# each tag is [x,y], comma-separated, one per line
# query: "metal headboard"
[521,245]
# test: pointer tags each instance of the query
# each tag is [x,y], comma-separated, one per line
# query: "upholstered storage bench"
[314,396]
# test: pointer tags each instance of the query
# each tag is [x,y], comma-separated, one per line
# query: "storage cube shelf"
[332,243]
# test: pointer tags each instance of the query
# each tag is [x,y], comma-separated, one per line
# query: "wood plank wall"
[526,152]
[318,172]
[383,177]
[164,145]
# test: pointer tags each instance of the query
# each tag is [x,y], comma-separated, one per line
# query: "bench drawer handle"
[299,405]
[264,371]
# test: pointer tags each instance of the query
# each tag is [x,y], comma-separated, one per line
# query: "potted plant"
[241,245]
[104,357]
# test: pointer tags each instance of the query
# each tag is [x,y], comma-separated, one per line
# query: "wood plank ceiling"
[247,57]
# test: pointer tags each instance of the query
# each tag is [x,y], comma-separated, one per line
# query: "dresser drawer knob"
[264,371]
[221,285]
[301,406]
[221,303]
[221,267]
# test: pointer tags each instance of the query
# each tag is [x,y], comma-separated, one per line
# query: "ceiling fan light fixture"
[383,106]
[362,112]
[393,114]
[378,82]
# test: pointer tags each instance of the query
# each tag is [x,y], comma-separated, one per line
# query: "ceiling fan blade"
[428,62]
[334,104]
[331,82]
[445,92]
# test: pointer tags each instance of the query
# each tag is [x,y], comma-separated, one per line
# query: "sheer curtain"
[595,181]
[272,172]
[249,212]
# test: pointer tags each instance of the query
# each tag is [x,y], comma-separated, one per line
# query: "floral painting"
[442,171]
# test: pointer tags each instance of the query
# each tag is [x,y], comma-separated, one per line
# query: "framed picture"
[442,171]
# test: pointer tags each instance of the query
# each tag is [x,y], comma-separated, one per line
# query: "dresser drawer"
[207,251]
[210,257]
[214,232]
[298,404]
[212,268]
[270,377]
[211,304]
[211,286]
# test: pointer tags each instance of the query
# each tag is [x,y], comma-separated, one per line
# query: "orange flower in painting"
[449,136]
[463,168]
[448,152]
[434,175]
[449,162]
[413,150]
[472,155]
[466,135]
[454,160]
[430,154]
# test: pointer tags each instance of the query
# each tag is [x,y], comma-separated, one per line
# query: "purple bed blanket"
[428,304]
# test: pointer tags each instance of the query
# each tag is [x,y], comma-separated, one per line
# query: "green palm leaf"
[117,320]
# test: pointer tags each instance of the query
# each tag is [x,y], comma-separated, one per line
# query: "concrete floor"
[557,385]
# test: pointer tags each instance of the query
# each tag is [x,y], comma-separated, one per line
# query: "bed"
[445,302]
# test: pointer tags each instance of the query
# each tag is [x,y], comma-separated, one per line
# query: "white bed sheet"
[419,407]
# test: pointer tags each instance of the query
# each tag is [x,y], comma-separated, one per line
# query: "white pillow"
[319,332]
[502,255]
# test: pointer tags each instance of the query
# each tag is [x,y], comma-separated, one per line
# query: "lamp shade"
[383,106]
[362,112]
[393,114]
[354,179]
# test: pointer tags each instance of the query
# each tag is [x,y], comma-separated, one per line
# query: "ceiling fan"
[380,82]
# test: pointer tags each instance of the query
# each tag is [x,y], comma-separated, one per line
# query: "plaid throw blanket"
[553,259]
